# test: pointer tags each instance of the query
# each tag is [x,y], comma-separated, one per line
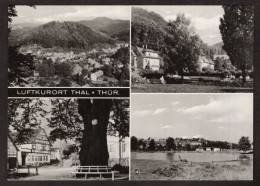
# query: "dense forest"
[218,50]
[61,34]
[117,29]
[122,36]
[151,29]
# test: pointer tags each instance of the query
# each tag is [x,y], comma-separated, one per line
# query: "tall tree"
[95,114]
[134,143]
[244,143]
[151,145]
[20,65]
[65,120]
[170,145]
[23,117]
[237,30]
[86,121]
[181,50]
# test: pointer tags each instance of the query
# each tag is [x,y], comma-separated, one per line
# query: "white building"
[35,150]
[94,76]
[118,149]
[205,62]
[147,59]
[55,154]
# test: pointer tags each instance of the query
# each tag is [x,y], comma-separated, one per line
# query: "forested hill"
[122,36]
[218,50]
[107,25]
[61,34]
[147,27]
[150,28]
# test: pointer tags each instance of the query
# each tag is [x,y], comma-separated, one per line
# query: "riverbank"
[187,88]
[164,170]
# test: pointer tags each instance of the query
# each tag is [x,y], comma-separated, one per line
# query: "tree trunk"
[95,116]
[244,75]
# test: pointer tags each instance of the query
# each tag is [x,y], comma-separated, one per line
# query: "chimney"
[145,46]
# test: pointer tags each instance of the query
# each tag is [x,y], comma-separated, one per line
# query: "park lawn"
[61,173]
[163,170]
[186,88]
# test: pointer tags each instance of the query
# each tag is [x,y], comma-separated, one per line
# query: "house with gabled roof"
[12,153]
[34,150]
[204,62]
[147,58]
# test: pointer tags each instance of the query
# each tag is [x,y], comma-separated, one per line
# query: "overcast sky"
[224,117]
[205,19]
[44,14]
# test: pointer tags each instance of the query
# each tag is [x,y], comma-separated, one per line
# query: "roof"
[150,50]
[151,57]
[32,137]
[224,56]
[140,52]
[206,60]
[12,140]
[133,53]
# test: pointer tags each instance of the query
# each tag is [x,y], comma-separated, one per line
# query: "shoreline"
[177,170]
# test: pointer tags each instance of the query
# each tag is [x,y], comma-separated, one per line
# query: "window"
[123,147]
[44,147]
[32,157]
[47,158]
[111,148]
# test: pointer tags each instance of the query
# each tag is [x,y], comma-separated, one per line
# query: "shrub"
[42,82]
[150,74]
[64,83]
[121,169]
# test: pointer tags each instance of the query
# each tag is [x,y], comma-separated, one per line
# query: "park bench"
[93,170]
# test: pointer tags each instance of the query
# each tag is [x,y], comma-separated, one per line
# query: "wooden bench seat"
[93,170]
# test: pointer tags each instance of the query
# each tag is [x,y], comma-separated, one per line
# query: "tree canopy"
[244,143]
[170,145]
[237,30]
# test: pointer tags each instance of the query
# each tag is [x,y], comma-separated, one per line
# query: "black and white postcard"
[159,92]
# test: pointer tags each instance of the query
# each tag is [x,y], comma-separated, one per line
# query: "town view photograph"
[68,139]
[68,46]
[198,137]
[192,48]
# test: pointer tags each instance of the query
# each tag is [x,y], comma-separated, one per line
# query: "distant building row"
[144,58]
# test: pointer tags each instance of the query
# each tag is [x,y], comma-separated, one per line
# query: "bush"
[121,169]
[42,82]
[53,162]
[64,83]
[63,69]
[150,74]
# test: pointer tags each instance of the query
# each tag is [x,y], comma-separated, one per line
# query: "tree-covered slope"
[107,25]
[147,28]
[61,34]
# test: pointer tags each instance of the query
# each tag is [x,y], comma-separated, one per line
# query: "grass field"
[163,170]
[186,88]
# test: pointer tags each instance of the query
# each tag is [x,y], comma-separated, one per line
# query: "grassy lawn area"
[61,173]
[186,88]
[163,170]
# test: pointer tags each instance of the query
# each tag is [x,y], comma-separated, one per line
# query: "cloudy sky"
[224,117]
[44,14]
[205,19]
